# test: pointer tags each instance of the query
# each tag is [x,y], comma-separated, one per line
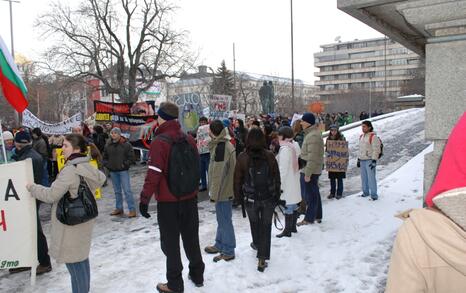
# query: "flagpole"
[3,143]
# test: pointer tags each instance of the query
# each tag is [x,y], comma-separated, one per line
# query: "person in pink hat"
[429,254]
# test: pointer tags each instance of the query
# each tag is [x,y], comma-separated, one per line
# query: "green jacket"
[312,151]
[221,168]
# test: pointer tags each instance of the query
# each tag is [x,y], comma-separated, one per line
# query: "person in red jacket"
[175,215]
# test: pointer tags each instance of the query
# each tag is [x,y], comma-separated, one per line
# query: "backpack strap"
[371,137]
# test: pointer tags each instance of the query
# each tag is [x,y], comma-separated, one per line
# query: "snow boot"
[262,264]
[293,224]
[287,230]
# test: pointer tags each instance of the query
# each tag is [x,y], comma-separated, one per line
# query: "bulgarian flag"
[11,82]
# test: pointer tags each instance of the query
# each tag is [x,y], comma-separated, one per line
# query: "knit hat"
[7,135]
[22,137]
[309,118]
[333,126]
[116,130]
[226,122]
[168,111]
[448,191]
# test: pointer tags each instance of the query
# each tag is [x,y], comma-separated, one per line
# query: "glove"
[358,164]
[373,164]
[281,203]
[143,210]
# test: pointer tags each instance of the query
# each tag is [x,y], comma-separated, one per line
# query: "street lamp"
[370,97]
[292,59]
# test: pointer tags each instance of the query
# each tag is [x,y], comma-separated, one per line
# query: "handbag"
[74,211]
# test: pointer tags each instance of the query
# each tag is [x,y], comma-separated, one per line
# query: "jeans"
[336,184]
[121,179]
[145,156]
[175,219]
[204,169]
[369,182]
[311,194]
[45,174]
[290,208]
[80,273]
[260,215]
[225,239]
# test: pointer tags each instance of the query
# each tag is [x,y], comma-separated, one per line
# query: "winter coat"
[242,169]
[312,151]
[368,150]
[118,156]
[336,175]
[289,178]
[69,244]
[37,161]
[429,255]
[221,168]
[41,147]
[156,178]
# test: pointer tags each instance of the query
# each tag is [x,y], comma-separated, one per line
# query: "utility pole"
[292,59]
[235,99]
[16,114]
[370,97]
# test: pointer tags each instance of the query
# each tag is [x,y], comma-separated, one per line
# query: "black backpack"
[259,184]
[183,166]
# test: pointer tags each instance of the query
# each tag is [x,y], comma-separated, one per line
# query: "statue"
[263,95]
[266,94]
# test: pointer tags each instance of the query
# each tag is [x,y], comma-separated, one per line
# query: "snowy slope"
[348,252]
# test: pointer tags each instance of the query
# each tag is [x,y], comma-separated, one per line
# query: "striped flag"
[11,82]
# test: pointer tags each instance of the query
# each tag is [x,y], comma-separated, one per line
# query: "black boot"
[262,264]
[295,219]
[287,230]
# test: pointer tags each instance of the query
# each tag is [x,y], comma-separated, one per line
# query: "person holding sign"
[336,172]
[71,244]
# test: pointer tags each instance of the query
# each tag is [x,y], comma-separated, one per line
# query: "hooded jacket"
[429,254]
[369,150]
[118,156]
[69,244]
[289,177]
[37,161]
[221,168]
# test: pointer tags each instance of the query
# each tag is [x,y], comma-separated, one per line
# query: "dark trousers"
[336,185]
[175,219]
[204,168]
[311,195]
[260,215]
[42,247]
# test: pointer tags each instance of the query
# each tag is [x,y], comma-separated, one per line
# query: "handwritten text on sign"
[337,156]
[18,230]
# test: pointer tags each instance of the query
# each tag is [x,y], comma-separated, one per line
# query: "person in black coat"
[25,151]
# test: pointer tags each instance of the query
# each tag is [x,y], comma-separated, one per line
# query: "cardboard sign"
[61,163]
[337,156]
[203,139]
[18,219]
[219,106]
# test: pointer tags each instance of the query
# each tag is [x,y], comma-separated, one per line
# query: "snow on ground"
[348,252]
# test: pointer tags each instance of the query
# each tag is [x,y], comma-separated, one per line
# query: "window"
[343,86]
[368,64]
[343,76]
[362,55]
[329,87]
[356,65]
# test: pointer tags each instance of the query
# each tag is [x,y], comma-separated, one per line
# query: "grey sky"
[260,29]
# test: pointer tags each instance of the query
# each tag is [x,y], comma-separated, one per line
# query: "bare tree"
[248,95]
[126,44]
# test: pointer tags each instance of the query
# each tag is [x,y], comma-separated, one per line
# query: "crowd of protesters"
[263,164]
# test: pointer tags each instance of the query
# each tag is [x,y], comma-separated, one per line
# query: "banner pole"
[3,144]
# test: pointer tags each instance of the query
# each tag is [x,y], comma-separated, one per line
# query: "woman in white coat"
[289,176]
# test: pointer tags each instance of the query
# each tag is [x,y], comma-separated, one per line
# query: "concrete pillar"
[444,24]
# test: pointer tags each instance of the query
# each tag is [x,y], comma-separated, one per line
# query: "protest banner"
[138,108]
[18,219]
[64,127]
[61,163]
[219,106]
[191,110]
[203,139]
[337,156]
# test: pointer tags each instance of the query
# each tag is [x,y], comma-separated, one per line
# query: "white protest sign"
[64,127]
[296,117]
[18,220]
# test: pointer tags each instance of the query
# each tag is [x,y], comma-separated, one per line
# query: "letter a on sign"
[11,191]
